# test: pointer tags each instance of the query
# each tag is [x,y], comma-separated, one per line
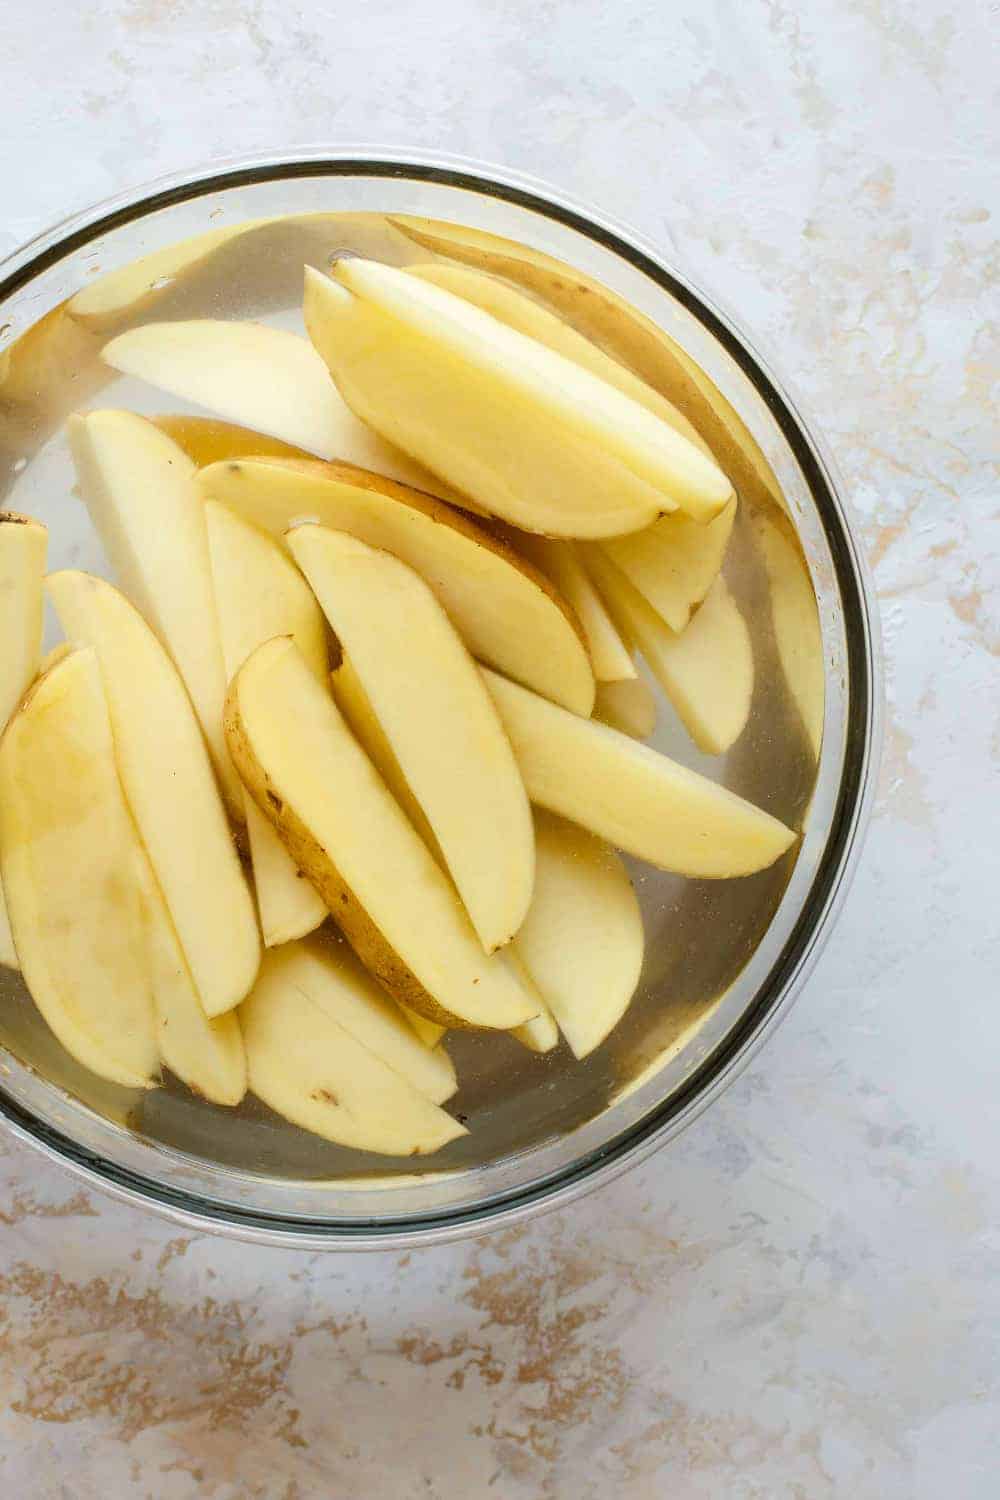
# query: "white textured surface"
[801,1299]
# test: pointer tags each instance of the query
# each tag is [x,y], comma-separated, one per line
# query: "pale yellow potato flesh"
[429,1032]
[23,547]
[561,561]
[673,563]
[68,853]
[623,333]
[307,1067]
[534,438]
[506,611]
[636,799]
[326,970]
[343,827]
[628,706]
[582,941]
[206,1055]
[262,378]
[137,487]
[439,719]
[209,440]
[540,1034]
[529,317]
[707,671]
[169,786]
[259,594]
[795,618]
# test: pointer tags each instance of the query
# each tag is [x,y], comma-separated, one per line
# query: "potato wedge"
[673,563]
[624,334]
[637,800]
[313,1071]
[529,317]
[534,438]
[167,778]
[560,561]
[81,941]
[343,828]
[795,618]
[137,487]
[206,1055]
[209,440]
[262,378]
[707,671]
[23,547]
[582,941]
[628,706]
[325,968]
[438,717]
[506,611]
[260,594]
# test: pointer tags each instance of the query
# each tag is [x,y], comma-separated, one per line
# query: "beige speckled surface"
[800,1299]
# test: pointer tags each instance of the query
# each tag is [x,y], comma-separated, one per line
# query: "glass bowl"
[724,959]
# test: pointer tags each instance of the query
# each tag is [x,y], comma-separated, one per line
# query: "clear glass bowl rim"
[864,714]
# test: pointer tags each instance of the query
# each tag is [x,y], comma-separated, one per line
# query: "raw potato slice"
[540,1034]
[138,490]
[707,671]
[582,941]
[508,613]
[167,778]
[429,1032]
[639,801]
[625,334]
[262,378]
[561,562]
[324,968]
[259,594]
[673,563]
[532,437]
[529,317]
[23,544]
[137,284]
[795,618]
[207,440]
[68,853]
[430,701]
[342,826]
[629,706]
[311,1070]
[206,1055]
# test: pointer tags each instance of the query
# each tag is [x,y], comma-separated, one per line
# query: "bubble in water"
[5,328]
[19,465]
[161,282]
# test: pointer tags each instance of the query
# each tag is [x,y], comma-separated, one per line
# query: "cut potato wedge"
[673,563]
[137,487]
[506,611]
[342,826]
[795,618]
[440,722]
[707,671]
[532,437]
[582,941]
[263,378]
[540,1034]
[260,594]
[429,1032]
[561,562]
[81,941]
[628,706]
[206,1055]
[324,968]
[169,786]
[307,1067]
[23,545]
[208,440]
[623,333]
[639,801]
[518,311]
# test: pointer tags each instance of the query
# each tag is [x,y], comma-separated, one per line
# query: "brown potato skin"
[365,938]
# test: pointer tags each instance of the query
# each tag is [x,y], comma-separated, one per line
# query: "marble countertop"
[800,1299]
